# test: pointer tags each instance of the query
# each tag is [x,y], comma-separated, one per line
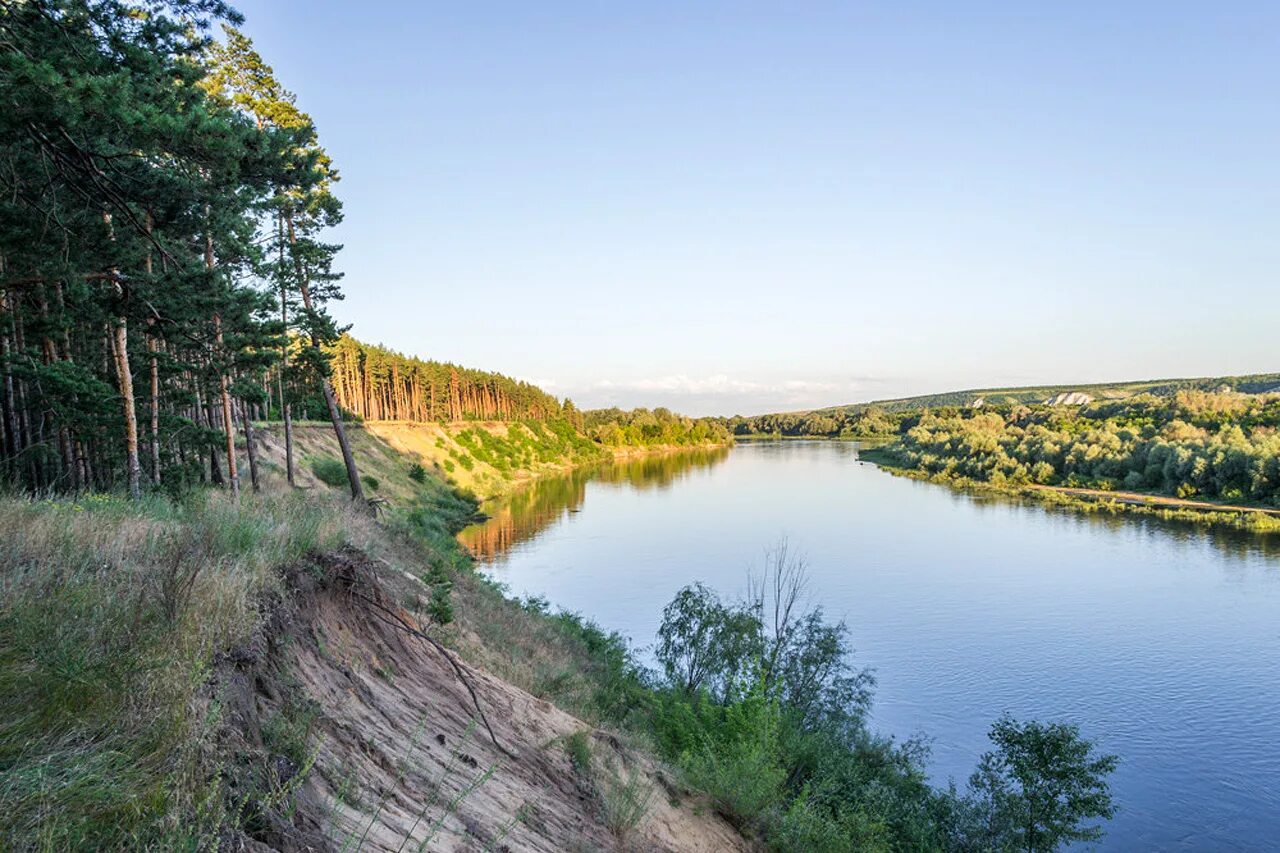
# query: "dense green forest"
[375,383]
[1222,446]
[645,427]
[854,423]
[163,205]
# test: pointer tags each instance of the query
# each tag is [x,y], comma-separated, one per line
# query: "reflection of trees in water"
[658,472]
[1228,541]
[534,508]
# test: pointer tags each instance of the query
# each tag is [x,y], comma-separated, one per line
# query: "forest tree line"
[651,427]
[865,422]
[1218,444]
[163,205]
[378,384]
[1223,446]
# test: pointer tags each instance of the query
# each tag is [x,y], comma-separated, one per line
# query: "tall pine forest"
[165,276]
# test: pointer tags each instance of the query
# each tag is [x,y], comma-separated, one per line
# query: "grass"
[485,457]
[111,614]
[329,471]
[625,797]
[560,657]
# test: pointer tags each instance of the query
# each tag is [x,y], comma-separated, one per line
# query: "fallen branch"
[400,623]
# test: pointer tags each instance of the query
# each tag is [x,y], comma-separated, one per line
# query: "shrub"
[805,827]
[738,764]
[330,471]
[370,482]
[417,473]
[439,608]
[578,746]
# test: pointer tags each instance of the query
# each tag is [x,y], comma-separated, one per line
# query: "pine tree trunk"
[155,382]
[357,493]
[248,444]
[228,423]
[204,414]
[155,412]
[124,374]
[70,449]
[285,408]
[12,437]
[353,475]
[27,437]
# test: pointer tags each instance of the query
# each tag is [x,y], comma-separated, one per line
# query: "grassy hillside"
[200,674]
[483,458]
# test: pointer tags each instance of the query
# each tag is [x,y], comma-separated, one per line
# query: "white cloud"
[683,384]
[717,393]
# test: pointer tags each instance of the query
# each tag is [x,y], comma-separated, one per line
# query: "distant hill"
[1251,384]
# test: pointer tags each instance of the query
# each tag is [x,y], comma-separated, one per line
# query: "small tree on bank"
[1040,787]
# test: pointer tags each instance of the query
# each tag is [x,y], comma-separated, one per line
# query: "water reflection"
[1227,540]
[521,516]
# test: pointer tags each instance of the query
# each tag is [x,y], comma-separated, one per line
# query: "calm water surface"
[1160,640]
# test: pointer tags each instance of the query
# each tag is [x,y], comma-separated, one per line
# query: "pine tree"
[133,206]
[304,206]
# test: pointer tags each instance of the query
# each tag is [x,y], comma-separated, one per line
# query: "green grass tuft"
[329,471]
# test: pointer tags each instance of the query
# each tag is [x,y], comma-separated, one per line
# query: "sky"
[749,207]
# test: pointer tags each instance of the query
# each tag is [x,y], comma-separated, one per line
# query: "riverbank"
[286,671]
[1206,513]
[487,459]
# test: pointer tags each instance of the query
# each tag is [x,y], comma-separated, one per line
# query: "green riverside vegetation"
[1219,446]
[758,704]
[1203,456]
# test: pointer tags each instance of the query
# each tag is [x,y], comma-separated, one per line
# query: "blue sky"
[746,207]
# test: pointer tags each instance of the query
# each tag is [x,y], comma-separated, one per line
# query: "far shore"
[1145,499]
[1256,519]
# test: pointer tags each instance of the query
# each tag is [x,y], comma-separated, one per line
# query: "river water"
[1160,640]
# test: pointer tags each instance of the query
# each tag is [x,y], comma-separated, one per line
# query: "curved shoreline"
[1143,499]
[1204,513]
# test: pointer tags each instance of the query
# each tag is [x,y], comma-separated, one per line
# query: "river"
[1160,640]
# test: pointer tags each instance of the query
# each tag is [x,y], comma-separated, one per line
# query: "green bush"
[439,607]
[738,763]
[329,471]
[370,482]
[417,473]
[760,709]
[578,746]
